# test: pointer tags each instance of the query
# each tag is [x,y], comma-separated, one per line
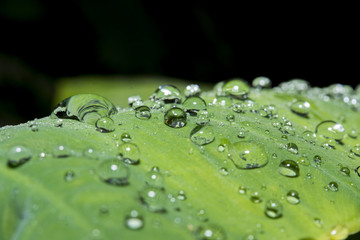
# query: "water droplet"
[91,153]
[210,231]
[268,111]
[69,176]
[105,125]
[87,108]
[354,133]
[236,88]
[301,108]
[247,155]
[202,215]
[18,155]
[273,209]
[125,137]
[356,150]
[130,153]
[134,100]
[202,117]
[289,168]
[143,112]
[222,102]
[202,135]
[241,134]
[339,232]
[249,237]
[223,171]
[303,161]
[309,136]
[181,195]
[293,197]
[333,186]
[292,147]
[153,198]
[330,129]
[175,117]
[167,93]
[242,190]
[194,104]
[230,117]
[255,197]
[192,90]
[318,222]
[61,151]
[113,172]
[345,171]
[154,178]
[58,123]
[261,82]
[134,221]
[317,160]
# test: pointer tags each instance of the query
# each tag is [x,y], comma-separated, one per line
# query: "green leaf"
[252,169]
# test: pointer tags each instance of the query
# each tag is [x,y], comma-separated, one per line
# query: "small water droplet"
[181,195]
[261,82]
[69,176]
[353,133]
[333,186]
[58,123]
[125,137]
[175,117]
[210,231]
[247,155]
[202,117]
[255,197]
[154,178]
[309,136]
[345,171]
[130,153]
[91,153]
[301,108]
[289,168]
[202,135]
[134,100]
[318,222]
[356,150]
[202,215]
[330,129]
[303,161]
[113,172]
[268,111]
[273,209]
[317,160]
[153,198]
[193,105]
[293,197]
[230,117]
[105,125]
[192,90]
[143,112]
[339,232]
[236,88]
[18,155]
[167,93]
[86,108]
[242,190]
[222,102]
[223,171]
[292,147]
[134,220]
[62,151]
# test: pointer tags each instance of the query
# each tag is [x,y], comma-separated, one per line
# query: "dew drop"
[339,232]
[61,151]
[330,129]
[210,231]
[333,186]
[222,102]
[255,197]
[242,190]
[86,108]
[261,82]
[273,209]
[309,136]
[134,221]
[69,176]
[247,155]
[354,133]
[202,117]
[292,147]
[289,168]
[175,117]
[293,197]
[130,153]
[105,125]
[155,179]
[317,160]
[91,153]
[18,155]
[153,198]
[236,88]
[301,108]
[268,111]
[318,222]
[345,171]
[202,135]
[221,148]
[192,90]
[125,137]
[202,215]
[113,172]
[193,105]
[303,161]
[167,93]
[356,150]
[143,112]
[223,171]
[134,100]
[230,117]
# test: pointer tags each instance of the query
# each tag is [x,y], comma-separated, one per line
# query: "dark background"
[41,41]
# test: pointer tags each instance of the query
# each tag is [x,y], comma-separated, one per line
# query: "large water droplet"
[194,104]
[210,232]
[175,117]
[330,129]
[247,155]
[273,209]
[289,168]
[301,107]
[202,135]
[130,153]
[236,88]
[87,108]
[167,93]
[134,221]
[153,198]
[143,112]
[105,125]
[113,172]
[18,155]
[293,197]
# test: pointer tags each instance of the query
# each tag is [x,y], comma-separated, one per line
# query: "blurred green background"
[46,43]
